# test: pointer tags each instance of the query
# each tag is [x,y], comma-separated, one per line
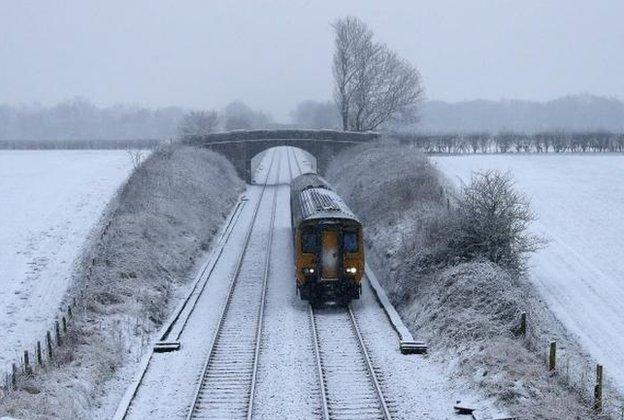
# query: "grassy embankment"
[467,309]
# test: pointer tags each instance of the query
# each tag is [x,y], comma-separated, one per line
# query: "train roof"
[308,180]
[313,198]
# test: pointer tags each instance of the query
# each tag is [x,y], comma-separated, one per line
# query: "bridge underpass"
[241,146]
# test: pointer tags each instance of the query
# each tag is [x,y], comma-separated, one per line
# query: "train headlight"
[351,270]
[308,271]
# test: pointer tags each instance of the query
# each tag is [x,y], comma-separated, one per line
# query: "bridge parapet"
[282,134]
[240,146]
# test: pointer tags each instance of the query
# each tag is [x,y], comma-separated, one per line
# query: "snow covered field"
[579,200]
[49,202]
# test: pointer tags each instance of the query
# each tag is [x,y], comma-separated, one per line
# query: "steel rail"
[239,263]
[265,278]
[319,366]
[367,361]
[288,153]
[369,365]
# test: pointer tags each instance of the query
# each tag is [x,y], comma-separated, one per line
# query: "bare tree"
[199,122]
[373,84]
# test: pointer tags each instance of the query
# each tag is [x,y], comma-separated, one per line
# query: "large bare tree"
[372,83]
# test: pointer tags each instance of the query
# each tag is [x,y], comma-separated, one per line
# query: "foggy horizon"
[276,54]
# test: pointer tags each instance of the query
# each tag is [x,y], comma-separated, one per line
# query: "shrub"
[490,221]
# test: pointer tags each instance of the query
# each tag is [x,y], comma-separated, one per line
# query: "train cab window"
[309,241]
[350,242]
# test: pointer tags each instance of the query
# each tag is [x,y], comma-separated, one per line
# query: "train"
[328,243]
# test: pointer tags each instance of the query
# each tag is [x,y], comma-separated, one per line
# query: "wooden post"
[64,325]
[38,354]
[552,357]
[14,376]
[598,389]
[57,330]
[27,367]
[49,344]
[523,324]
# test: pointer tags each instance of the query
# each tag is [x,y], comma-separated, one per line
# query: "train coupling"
[166,346]
[412,347]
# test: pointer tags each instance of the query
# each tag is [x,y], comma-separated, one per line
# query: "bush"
[491,220]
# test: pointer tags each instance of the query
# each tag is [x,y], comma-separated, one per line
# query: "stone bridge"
[241,146]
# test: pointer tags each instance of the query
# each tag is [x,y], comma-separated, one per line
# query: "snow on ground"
[50,200]
[578,200]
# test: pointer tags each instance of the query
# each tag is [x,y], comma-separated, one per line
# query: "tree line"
[78,122]
[507,142]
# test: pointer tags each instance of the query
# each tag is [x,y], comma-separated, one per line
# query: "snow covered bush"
[490,221]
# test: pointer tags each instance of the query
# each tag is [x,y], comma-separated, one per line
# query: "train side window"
[349,242]
[308,241]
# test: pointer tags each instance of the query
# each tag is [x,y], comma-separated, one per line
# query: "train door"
[329,254]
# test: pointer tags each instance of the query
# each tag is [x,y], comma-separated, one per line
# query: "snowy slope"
[49,201]
[579,200]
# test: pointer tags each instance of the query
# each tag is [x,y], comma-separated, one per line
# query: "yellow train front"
[328,243]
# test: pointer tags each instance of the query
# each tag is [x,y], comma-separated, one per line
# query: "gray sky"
[272,54]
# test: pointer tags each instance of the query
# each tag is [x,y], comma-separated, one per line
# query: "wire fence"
[44,353]
[575,371]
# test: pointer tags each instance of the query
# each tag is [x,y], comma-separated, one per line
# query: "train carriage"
[328,243]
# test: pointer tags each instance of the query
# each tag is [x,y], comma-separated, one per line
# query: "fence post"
[49,343]
[598,389]
[64,325]
[57,330]
[552,357]
[38,354]
[27,367]
[523,324]
[14,376]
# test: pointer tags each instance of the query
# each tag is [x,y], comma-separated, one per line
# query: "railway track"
[348,381]
[227,383]
[349,387]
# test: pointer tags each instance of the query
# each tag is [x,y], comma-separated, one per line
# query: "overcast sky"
[272,54]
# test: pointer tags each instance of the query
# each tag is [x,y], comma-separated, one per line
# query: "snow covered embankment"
[468,312]
[161,221]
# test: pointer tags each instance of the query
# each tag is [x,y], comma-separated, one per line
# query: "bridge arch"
[307,161]
[241,146]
